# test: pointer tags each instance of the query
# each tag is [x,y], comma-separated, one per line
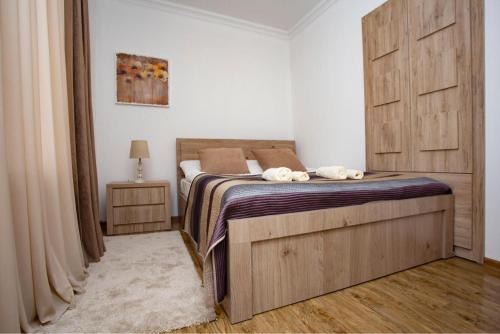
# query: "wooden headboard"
[188,148]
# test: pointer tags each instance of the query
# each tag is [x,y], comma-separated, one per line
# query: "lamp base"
[139,178]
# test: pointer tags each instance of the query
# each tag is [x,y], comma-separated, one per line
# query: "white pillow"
[254,167]
[189,166]
[192,168]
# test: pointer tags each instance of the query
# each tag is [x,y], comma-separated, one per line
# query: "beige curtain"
[41,258]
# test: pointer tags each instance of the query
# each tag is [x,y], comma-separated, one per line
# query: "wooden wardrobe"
[424,101]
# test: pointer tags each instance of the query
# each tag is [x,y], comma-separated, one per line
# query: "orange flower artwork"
[142,80]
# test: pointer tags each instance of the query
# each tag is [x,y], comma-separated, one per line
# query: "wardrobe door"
[387,103]
[441,104]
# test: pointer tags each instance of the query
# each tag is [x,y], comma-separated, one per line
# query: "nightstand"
[137,207]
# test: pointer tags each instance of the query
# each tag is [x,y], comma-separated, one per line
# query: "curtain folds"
[81,127]
[40,251]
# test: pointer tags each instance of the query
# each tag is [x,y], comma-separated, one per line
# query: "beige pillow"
[223,161]
[278,157]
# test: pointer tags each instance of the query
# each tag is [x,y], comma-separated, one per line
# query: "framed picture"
[142,80]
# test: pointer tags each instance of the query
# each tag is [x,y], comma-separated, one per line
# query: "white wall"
[231,83]
[327,86]
[328,96]
[492,73]
[225,83]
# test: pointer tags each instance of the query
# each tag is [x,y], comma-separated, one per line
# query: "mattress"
[185,185]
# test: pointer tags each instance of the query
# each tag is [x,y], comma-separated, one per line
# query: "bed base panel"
[278,260]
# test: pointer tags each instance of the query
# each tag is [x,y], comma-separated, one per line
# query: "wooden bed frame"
[277,260]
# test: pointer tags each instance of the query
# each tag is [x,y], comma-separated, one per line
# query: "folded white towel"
[300,176]
[277,174]
[332,172]
[355,174]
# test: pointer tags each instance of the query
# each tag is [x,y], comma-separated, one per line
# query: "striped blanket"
[215,199]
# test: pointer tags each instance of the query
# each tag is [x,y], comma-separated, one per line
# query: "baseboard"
[491,262]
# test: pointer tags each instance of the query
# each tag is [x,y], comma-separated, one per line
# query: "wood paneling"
[477,32]
[292,269]
[240,283]
[388,137]
[461,185]
[138,196]
[436,70]
[385,58]
[140,228]
[138,214]
[438,131]
[280,259]
[287,270]
[188,148]
[432,16]
[386,88]
[441,85]
[386,38]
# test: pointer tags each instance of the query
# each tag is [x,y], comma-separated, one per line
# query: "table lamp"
[139,150]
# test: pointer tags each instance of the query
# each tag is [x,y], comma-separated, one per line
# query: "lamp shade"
[139,149]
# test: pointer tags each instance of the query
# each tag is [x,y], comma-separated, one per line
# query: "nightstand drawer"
[138,196]
[138,214]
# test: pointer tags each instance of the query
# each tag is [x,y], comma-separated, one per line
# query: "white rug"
[144,283]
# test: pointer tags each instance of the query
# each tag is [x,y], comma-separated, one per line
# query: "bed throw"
[215,201]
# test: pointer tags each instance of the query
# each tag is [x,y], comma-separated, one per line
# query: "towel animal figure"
[332,172]
[355,174]
[282,174]
[300,176]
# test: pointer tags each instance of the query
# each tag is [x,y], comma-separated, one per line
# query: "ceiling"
[280,14]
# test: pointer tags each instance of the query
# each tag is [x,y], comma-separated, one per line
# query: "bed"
[276,258]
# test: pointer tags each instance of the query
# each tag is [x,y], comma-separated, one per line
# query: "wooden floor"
[451,295]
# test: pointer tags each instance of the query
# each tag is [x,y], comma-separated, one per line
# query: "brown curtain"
[41,259]
[81,126]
